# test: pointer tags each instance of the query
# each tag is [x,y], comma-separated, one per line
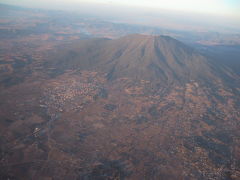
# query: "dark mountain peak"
[142,39]
[153,43]
[147,36]
[152,58]
[150,38]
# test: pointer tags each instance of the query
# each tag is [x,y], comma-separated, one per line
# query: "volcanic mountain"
[155,58]
[138,107]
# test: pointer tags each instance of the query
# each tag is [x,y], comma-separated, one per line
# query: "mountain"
[155,58]
[137,107]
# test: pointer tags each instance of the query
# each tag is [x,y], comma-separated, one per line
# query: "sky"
[149,12]
[219,7]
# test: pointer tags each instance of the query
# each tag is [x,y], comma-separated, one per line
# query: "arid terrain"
[136,107]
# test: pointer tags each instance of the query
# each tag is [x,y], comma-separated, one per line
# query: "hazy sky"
[221,7]
[205,6]
[210,12]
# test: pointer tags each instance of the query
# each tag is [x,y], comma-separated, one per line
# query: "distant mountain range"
[40,21]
